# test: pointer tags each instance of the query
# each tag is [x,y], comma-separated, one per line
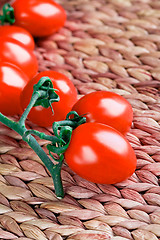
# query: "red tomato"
[39,17]
[66,91]
[16,53]
[18,33]
[100,154]
[106,107]
[12,81]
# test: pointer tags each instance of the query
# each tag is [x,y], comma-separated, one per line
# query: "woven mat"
[105,45]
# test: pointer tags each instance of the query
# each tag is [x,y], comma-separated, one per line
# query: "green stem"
[53,169]
[11,124]
[41,135]
[33,100]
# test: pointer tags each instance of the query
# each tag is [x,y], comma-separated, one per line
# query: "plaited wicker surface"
[105,45]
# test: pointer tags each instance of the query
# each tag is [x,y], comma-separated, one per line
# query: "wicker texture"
[105,45]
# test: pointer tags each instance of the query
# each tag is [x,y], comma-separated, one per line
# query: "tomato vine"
[44,95]
[96,150]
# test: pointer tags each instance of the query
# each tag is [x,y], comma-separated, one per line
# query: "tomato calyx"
[47,93]
[73,122]
[63,132]
[43,95]
[8,14]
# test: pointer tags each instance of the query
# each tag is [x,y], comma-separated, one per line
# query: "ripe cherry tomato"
[100,154]
[106,107]
[39,17]
[18,33]
[12,81]
[16,53]
[66,91]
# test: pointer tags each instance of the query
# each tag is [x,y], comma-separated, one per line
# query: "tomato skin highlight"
[39,17]
[16,53]
[12,81]
[66,91]
[106,107]
[100,154]
[19,34]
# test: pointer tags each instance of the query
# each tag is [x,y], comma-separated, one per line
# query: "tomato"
[39,17]
[106,107]
[16,53]
[66,91]
[12,81]
[18,33]
[100,154]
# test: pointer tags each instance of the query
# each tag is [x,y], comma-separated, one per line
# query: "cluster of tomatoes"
[18,63]
[99,150]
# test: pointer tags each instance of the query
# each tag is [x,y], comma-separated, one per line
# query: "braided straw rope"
[105,45]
